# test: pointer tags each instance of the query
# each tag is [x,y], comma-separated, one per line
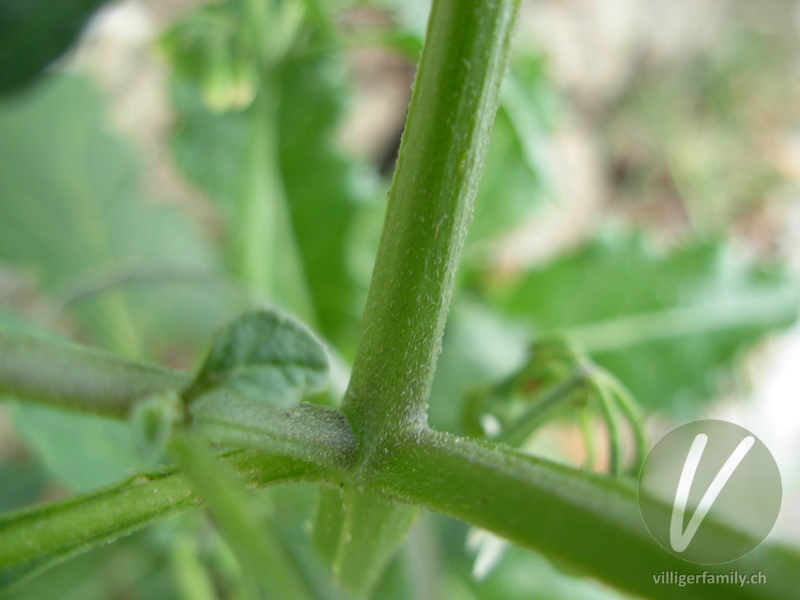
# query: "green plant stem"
[450,116]
[240,520]
[452,109]
[608,412]
[72,377]
[628,407]
[35,539]
[374,527]
[318,434]
[543,405]
[77,378]
[266,255]
[590,522]
[192,579]
[587,432]
[255,225]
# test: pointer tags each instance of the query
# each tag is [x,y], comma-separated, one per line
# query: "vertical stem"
[255,231]
[266,254]
[262,557]
[430,204]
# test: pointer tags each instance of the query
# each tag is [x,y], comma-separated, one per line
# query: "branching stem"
[430,204]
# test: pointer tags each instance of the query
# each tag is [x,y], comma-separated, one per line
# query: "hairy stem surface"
[430,203]
[37,538]
[589,522]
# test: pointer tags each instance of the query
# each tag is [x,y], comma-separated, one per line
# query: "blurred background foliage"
[167,165]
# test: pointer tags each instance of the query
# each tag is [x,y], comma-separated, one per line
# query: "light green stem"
[450,116]
[78,378]
[543,405]
[608,412]
[266,255]
[249,534]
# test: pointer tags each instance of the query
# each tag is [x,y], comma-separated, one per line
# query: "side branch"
[541,505]
[317,434]
[35,539]
[72,377]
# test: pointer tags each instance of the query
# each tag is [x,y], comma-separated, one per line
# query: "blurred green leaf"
[252,537]
[264,355]
[508,191]
[22,482]
[34,33]
[522,575]
[478,347]
[324,189]
[71,213]
[516,175]
[93,576]
[668,325]
[83,452]
[208,146]
[530,103]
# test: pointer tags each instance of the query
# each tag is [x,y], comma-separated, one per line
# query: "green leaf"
[34,33]
[72,217]
[13,322]
[478,347]
[668,325]
[82,452]
[263,355]
[198,129]
[99,575]
[22,481]
[523,575]
[325,200]
[324,190]
[515,179]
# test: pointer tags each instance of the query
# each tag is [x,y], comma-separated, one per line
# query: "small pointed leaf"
[265,355]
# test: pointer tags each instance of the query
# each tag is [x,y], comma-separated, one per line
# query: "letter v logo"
[678,538]
[704,471]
